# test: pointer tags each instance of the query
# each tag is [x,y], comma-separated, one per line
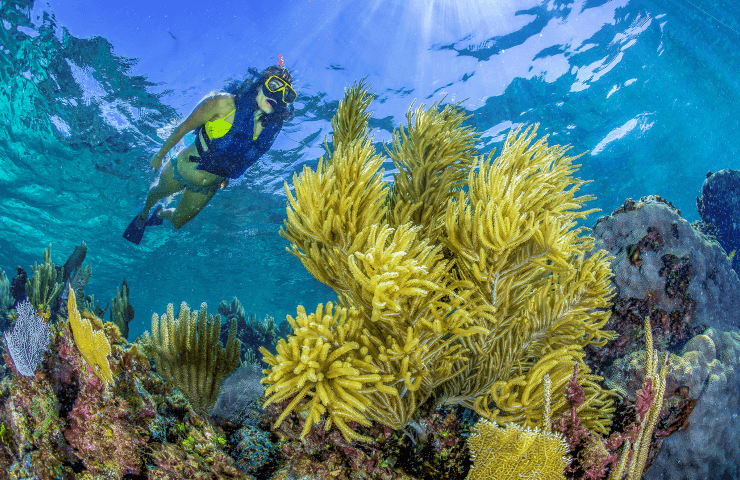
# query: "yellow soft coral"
[433,157]
[321,363]
[189,354]
[93,345]
[513,453]
[467,296]
[512,235]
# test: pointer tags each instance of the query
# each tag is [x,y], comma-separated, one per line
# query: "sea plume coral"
[321,363]
[189,355]
[468,279]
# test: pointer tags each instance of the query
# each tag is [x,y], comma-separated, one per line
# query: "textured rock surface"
[650,242]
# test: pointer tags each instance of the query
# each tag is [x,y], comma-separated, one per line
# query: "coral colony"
[479,333]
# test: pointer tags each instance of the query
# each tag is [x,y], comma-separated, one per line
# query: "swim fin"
[135,230]
[155,219]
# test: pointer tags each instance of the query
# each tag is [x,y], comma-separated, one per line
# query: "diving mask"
[275,85]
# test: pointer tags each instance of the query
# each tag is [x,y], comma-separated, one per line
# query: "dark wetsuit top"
[231,155]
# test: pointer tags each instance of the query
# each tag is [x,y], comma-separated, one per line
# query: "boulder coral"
[658,253]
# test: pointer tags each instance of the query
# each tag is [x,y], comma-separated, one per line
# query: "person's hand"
[156,161]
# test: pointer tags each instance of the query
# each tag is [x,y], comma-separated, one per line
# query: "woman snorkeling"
[233,130]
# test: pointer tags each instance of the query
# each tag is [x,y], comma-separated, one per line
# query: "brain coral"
[650,241]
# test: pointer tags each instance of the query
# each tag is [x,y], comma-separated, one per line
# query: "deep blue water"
[649,89]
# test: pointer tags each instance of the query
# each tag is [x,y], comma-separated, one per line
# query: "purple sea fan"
[28,340]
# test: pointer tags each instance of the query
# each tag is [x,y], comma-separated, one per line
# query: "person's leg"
[166,185]
[190,205]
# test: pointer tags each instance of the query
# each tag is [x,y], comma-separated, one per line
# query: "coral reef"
[667,270]
[465,289]
[47,285]
[65,422]
[198,454]
[253,451]
[189,355]
[719,207]
[434,447]
[707,370]
[457,296]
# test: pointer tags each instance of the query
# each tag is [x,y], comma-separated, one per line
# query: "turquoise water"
[648,89]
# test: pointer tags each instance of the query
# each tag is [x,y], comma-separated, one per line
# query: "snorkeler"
[233,130]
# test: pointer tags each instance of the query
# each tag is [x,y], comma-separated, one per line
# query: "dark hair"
[249,88]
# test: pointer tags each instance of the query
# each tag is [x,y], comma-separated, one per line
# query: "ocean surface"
[648,91]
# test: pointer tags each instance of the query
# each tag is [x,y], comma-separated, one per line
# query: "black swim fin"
[155,219]
[135,230]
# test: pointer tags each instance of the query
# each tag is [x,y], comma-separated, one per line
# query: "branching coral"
[466,292]
[189,355]
[42,289]
[121,311]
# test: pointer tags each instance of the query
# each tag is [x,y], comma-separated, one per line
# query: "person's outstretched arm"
[209,108]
